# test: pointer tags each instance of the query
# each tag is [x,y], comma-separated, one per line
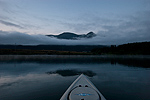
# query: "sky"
[114,21]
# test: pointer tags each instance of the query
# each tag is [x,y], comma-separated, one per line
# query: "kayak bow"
[82,89]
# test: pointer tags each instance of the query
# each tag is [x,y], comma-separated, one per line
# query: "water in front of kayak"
[48,77]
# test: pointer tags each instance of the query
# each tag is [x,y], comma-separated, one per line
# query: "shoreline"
[42,57]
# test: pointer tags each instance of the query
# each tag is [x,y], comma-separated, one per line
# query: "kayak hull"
[82,89]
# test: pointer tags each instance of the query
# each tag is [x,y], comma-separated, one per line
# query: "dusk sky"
[114,21]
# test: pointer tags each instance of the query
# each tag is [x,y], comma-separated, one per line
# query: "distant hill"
[78,48]
[73,36]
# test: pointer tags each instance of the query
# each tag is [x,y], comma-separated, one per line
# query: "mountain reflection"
[72,72]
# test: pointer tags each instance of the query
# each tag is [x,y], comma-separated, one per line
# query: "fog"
[101,39]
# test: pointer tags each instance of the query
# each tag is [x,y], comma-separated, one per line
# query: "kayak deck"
[82,89]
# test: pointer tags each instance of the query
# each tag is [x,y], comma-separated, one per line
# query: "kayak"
[82,89]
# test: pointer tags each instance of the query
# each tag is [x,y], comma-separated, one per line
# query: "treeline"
[77,48]
[141,48]
[39,52]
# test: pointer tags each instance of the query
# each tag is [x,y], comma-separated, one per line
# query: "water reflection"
[130,61]
[72,72]
[46,77]
[8,84]
[134,62]
[31,87]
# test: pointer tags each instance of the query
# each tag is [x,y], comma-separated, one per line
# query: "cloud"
[2,4]
[114,35]
[24,38]
[135,28]
[10,24]
[92,22]
[115,29]
[7,37]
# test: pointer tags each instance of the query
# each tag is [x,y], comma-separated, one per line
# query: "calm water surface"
[48,77]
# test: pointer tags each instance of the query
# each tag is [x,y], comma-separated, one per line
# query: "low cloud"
[135,29]
[101,39]
[10,24]
[24,38]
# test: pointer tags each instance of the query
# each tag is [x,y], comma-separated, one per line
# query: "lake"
[43,77]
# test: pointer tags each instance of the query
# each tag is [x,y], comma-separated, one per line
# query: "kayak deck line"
[82,89]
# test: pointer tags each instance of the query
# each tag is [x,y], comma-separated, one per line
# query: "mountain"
[73,36]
